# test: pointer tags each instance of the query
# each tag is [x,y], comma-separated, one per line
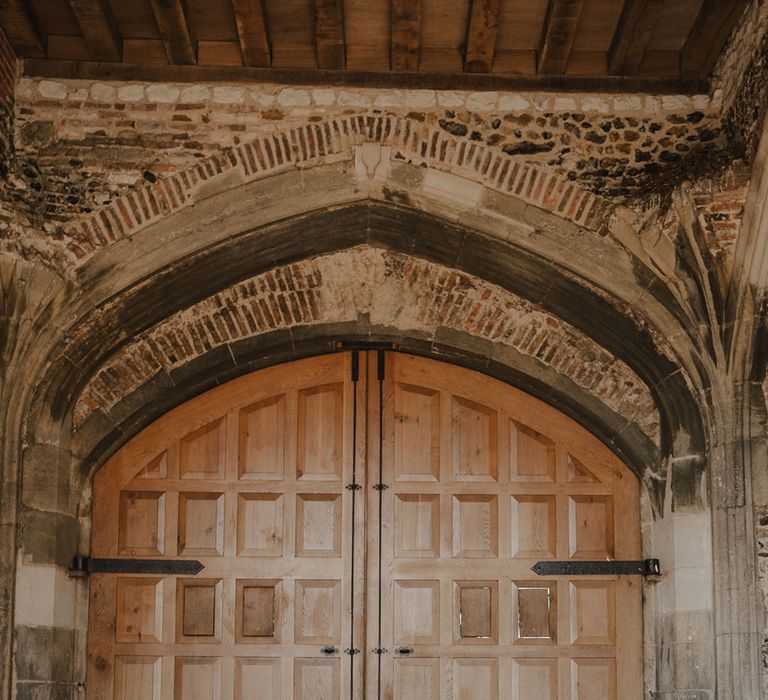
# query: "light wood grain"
[482,482]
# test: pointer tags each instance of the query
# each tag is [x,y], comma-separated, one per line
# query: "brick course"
[395,291]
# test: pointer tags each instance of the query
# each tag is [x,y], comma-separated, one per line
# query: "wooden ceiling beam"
[560,25]
[329,34]
[20,28]
[99,27]
[481,36]
[710,31]
[405,42]
[252,31]
[174,28]
[610,84]
[633,33]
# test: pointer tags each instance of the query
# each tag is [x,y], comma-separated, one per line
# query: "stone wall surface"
[89,139]
[643,191]
[741,80]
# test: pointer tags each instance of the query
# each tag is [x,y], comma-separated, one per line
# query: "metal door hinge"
[380,487]
[351,652]
[84,566]
[353,487]
[379,650]
[644,567]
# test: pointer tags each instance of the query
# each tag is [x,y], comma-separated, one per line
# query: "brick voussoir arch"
[298,146]
[394,290]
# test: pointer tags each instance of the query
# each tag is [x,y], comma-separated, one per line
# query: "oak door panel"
[483,482]
[249,480]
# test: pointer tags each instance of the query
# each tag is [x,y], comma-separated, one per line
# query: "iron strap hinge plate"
[351,652]
[380,487]
[644,567]
[83,566]
[353,487]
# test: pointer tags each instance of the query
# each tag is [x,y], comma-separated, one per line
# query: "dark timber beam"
[708,35]
[329,34]
[633,33]
[406,35]
[252,30]
[92,70]
[557,38]
[481,36]
[19,26]
[98,25]
[174,28]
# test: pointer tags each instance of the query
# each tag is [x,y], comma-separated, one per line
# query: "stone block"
[455,191]
[195,93]
[514,103]
[323,96]
[211,364]
[389,98]
[692,534]
[102,92]
[349,98]
[482,101]
[44,691]
[130,93]
[140,397]
[44,653]
[52,90]
[46,484]
[450,98]
[420,99]
[45,596]
[565,104]
[228,94]
[49,538]
[159,92]
[294,97]
[93,430]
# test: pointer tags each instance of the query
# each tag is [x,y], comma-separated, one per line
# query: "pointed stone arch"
[335,139]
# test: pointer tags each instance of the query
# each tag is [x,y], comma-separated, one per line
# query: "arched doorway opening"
[367,523]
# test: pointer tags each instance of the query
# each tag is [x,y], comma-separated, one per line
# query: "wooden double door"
[367,523]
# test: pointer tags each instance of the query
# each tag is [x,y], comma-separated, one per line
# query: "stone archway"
[179,261]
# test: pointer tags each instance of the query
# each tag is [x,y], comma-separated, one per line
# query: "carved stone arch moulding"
[390,290]
[334,139]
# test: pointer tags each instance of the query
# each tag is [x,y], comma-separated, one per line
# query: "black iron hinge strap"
[644,567]
[83,566]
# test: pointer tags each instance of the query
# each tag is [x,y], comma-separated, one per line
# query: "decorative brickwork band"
[336,138]
[395,291]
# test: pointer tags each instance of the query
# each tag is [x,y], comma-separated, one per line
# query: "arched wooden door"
[367,523]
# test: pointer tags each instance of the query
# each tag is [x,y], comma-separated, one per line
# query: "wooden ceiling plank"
[557,38]
[406,35]
[174,28]
[252,31]
[99,27]
[329,34]
[710,31]
[20,28]
[633,33]
[481,37]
